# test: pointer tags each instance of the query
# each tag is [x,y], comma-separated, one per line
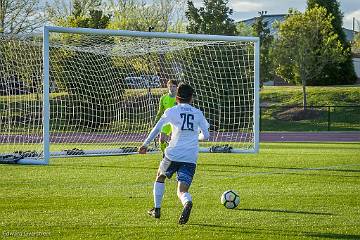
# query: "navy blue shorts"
[184,171]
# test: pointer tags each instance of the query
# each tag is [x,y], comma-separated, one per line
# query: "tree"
[356,45]
[213,18]
[335,72]
[243,29]
[217,67]
[137,15]
[261,29]
[95,19]
[306,44]
[58,11]
[80,71]
[19,16]
[171,15]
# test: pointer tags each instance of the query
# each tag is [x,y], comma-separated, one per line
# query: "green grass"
[288,191]
[341,118]
[317,96]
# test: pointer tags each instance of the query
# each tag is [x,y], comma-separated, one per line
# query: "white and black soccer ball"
[230,199]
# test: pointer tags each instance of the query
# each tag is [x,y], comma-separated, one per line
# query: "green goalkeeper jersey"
[166,101]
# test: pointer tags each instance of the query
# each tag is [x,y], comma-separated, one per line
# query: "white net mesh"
[105,90]
[20,97]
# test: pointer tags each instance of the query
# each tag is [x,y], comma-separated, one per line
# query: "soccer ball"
[230,199]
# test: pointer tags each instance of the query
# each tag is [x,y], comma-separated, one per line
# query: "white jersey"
[186,122]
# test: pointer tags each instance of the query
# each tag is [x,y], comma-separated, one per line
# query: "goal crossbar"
[128,33]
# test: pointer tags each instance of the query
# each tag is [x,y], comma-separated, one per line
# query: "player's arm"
[161,109]
[154,132]
[204,129]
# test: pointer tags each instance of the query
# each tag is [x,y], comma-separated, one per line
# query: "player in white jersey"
[182,152]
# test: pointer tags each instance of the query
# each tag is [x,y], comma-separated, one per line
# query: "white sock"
[186,197]
[158,192]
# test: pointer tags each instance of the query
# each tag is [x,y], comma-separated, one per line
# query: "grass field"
[288,191]
[343,116]
[317,96]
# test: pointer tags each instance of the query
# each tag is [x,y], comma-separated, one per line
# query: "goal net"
[81,92]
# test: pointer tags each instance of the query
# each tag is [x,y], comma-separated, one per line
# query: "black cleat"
[154,212]
[184,217]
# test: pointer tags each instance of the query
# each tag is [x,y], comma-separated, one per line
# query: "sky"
[245,9]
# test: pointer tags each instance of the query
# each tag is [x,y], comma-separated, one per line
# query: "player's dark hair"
[172,82]
[184,93]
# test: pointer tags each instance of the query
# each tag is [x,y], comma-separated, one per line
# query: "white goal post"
[94,92]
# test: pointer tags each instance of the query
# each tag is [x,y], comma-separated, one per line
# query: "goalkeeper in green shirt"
[166,101]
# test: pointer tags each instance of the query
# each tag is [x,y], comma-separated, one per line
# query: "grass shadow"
[281,168]
[283,211]
[275,232]
[333,235]
[211,225]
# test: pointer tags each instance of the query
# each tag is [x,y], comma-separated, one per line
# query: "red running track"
[264,137]
[310,137]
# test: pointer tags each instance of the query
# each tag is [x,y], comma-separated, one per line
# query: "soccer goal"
[88,92]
